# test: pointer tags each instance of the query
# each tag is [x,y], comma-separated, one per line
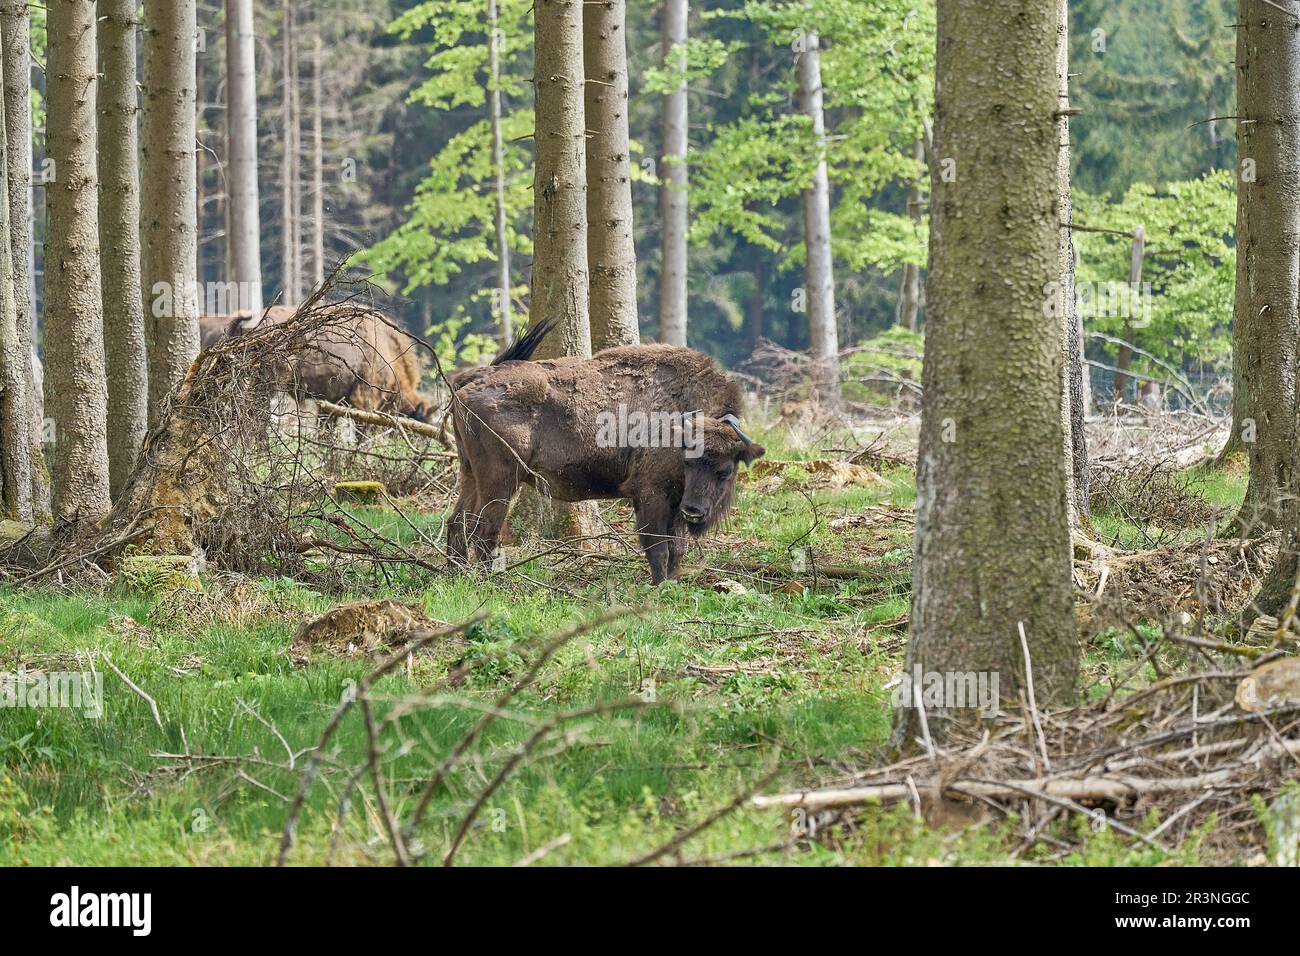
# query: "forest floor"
[765,668]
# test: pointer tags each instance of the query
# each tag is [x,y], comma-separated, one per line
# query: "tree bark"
[288,165]
[909,293]
[295,134]
[169,230]
[15,406]
[560,281]
[125,352]
[503,308]
[241,140]
[1073,407]
[76,389]
[992,555]
[819,275]
[1124,357]
[673,175]
[318,158]
[1267,309]
[611,253]
[15,39]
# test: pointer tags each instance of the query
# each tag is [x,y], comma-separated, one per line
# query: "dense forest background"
[406,166]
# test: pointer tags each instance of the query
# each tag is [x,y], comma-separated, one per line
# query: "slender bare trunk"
[909,293]
[74,340]
[318,157]
[245,225]
[819,275]
[295,135]
[1267,312]
[15,40]
[502,295]
[288,164]
[673,174]
[1073,409]
[992,555]
[125,353]
[1124,356]
[170,232]
[560,282]
[610,250]
[15,406]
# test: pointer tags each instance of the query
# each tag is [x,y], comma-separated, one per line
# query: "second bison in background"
[361,359]
[653,423]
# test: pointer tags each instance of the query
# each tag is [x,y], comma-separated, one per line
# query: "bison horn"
[734,422]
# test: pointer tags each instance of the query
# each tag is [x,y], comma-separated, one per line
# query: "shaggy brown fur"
[537,422]
[361,360]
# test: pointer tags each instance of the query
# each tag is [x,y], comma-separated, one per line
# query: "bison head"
[711,473]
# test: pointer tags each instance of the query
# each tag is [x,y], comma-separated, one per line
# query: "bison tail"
[523,347]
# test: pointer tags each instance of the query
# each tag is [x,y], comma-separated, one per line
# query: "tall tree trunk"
[1124,356]
[295,134]
[15,406]
[318,157]
[501,297]
[610,250]
[759,273]
[288,164]
[15,40]
[169,231]
[1073,408]
[76,390]
[819,275]
[245,224]
[125,353]
[560,281]
[992,555]
[1267,310]
[909,293]
[673,174]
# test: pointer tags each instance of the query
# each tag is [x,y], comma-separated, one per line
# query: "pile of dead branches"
[1153,764]
[238,475]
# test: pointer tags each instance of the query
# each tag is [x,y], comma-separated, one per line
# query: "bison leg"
[654,531]
[458,526]
[496,487]
[676,547]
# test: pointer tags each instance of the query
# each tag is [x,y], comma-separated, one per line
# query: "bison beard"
[519,421]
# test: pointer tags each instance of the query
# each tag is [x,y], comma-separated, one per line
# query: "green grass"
[742,683]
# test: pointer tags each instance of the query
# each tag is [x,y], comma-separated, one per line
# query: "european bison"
[584,430]
[360,360]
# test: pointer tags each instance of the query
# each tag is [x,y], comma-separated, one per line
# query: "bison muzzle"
[653,423]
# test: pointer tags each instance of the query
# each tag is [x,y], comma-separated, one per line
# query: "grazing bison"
[360,360]
[585,429]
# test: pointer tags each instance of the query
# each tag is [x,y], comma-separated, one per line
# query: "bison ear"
[751,453]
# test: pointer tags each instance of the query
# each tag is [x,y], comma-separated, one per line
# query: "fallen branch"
[380,418]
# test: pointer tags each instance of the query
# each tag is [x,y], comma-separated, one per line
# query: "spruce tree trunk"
[241,139]
[125,353]
[504,310]
[992,555]
[1267,309]
[295,135]
[15,40]
[823,336]
[610,250]
[909,293]
[15,405]
[560,281]
[288,165]
[169,231]
[1073,409]
[673,174]
[317,158]
[76,390]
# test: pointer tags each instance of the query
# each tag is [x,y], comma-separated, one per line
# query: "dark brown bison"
[360,360]
[583,430]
